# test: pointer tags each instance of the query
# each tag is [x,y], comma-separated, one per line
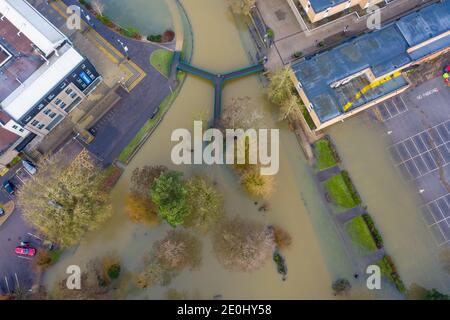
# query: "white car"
[29,167]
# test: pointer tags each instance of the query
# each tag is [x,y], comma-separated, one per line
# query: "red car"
[26,251]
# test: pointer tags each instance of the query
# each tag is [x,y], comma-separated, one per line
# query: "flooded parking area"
[421,149]
[397,201]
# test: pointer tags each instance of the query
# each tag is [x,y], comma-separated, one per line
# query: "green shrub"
[351,187]
[114,271]
[297,54]
[130,32]
[308,118]
[154,38]
[104,19]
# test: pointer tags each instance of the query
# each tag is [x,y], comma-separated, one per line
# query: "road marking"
[427,93]
[7,285]
[35,236]
[22,257]
[17,280]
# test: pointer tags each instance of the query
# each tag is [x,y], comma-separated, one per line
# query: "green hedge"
[374,231]
[389,270]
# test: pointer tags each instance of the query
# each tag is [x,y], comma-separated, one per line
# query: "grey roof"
[382,50]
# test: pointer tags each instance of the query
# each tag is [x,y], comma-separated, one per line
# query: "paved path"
[343,218]
[326,174]
[374,257]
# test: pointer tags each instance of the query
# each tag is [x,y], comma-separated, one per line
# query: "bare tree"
[178,250]
[98,6]
[65,201]
[243,245]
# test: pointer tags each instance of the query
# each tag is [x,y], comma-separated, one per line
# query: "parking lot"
[418,122]
[16,273]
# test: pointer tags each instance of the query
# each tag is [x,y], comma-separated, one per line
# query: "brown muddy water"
[317,255]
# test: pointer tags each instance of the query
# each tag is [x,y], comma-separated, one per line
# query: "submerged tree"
[241,113]
[289,107]
[64,202]
[283,239]
[280,86]
[341,287]
[242,6]
[257,185]
[178,250]
[169,193]
[243,245]
[140,209]
[205,205]
[433,294]
[96,282]
[143,178]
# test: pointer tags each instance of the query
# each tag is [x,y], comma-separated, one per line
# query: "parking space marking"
[7,285]
[392,108]
[424,152]
[436,214]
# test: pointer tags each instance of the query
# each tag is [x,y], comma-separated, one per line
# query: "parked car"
[25,251]
[9,187]
[29,166]
[446,74]
[2,212]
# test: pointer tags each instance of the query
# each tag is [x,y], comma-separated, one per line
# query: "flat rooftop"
[322,5]
[383,51]
[23,63]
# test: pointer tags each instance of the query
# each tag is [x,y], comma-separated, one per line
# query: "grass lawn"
[360,234]
[341,190]
[324,154]
[165,104]
[161,59]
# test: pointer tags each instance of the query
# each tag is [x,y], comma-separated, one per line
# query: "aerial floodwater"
[154,18]
[393,203]
[316,257]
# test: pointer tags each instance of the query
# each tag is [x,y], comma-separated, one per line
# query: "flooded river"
[317,256]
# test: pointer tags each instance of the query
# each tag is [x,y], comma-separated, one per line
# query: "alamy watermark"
[233,146]
[374,19]
[73,281]
[374,279]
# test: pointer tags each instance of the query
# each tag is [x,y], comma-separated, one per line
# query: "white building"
[43,77]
